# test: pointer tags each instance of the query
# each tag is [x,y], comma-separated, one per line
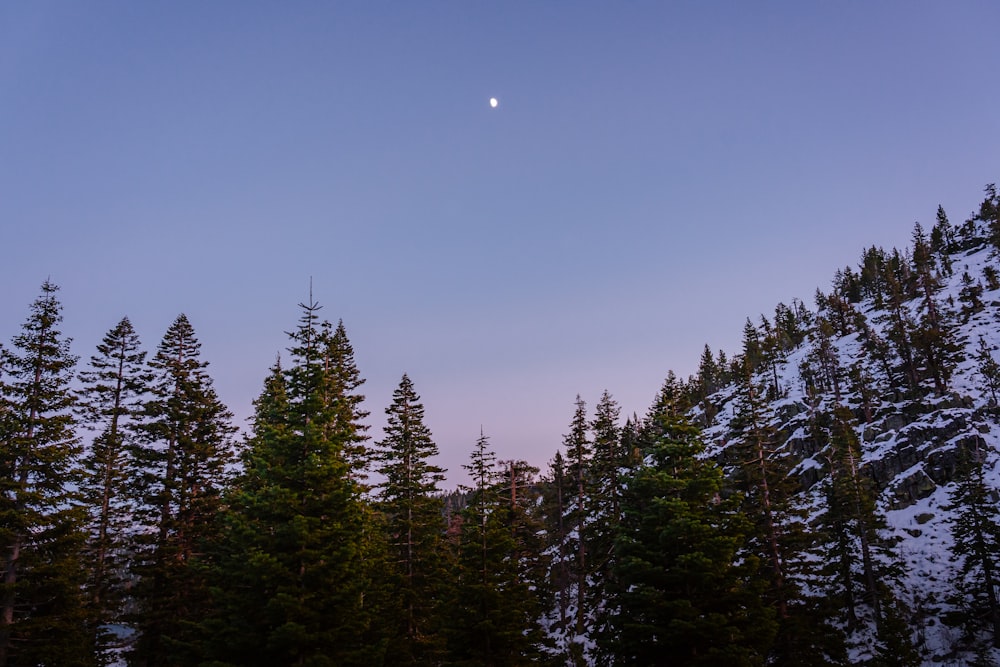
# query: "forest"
[826,495]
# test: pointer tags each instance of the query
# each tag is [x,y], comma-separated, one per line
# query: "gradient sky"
[655,173]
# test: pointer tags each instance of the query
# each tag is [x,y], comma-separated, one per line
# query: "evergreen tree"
[900,326]
[494,609]
[681,594]
[299,551]
[766,488]
[578,452]
[607,459]
[347,402]
[604,500]
[861,562]
[934,336]
[523,518]
[970,296]
[777,538]
[409,498]
[710,380]
[988,369]
[873,272]
[184,456]
[113,389]
[989,212]
[753,353]
[976,533]
[942,241]
[42,617]
[557,492]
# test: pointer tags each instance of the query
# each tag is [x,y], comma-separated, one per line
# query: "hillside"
[907,343]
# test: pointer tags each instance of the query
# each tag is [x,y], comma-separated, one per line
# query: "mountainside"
[907,344]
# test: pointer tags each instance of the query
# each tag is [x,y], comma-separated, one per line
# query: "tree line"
[137,526]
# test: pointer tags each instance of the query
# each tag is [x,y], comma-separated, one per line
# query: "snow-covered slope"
[910,438]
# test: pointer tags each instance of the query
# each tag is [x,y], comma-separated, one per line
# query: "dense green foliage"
[740,521]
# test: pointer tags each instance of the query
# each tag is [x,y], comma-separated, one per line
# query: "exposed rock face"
[911,435]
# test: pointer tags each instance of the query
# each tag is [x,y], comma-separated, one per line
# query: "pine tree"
[42,617]
[942,241]
[989,212]
[709,380]
[410,500]
[298,554]
[681,594]
[934,335]
[604,498]
[862,563]
[523,519]
[970,296]
[988,369]
[347,402]
[976,533]
[607,458]
[557,492]
[578,453]
[494,609]
[184,456]
[766,488]
[777,538]
[111,399]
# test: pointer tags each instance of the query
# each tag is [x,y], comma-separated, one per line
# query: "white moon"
[493,102]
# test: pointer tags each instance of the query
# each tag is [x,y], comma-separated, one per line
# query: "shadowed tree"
[410,499]
[114,386]
[294,581]
[682,594]
[42,618]
[184,457]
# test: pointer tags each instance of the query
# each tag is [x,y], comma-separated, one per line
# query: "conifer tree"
[42,617]
[899,330]
[777,537]
[942,241]
[347,402]
[523,519]
[681,594]
[710,378]
[111,399]
[493,610]
[934,337]
[578,453]
[558,491]
[989,212]
[604,500]
[607,458]
[410,500]
[297,557]
[184,456]
[970,296]
[862,564]
[988,369]
[976,533]
[766,489]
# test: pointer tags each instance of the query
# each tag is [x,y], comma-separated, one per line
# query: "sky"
[654,174]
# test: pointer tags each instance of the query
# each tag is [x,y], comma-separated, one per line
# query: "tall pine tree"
[294,567]
[682,594]
[114,386]
[976,533]
[42,617]
[493,610]
[184,459]
[410,499]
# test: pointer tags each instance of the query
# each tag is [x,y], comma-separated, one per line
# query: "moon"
[493,103]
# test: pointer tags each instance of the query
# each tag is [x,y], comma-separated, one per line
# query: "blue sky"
[655,173]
